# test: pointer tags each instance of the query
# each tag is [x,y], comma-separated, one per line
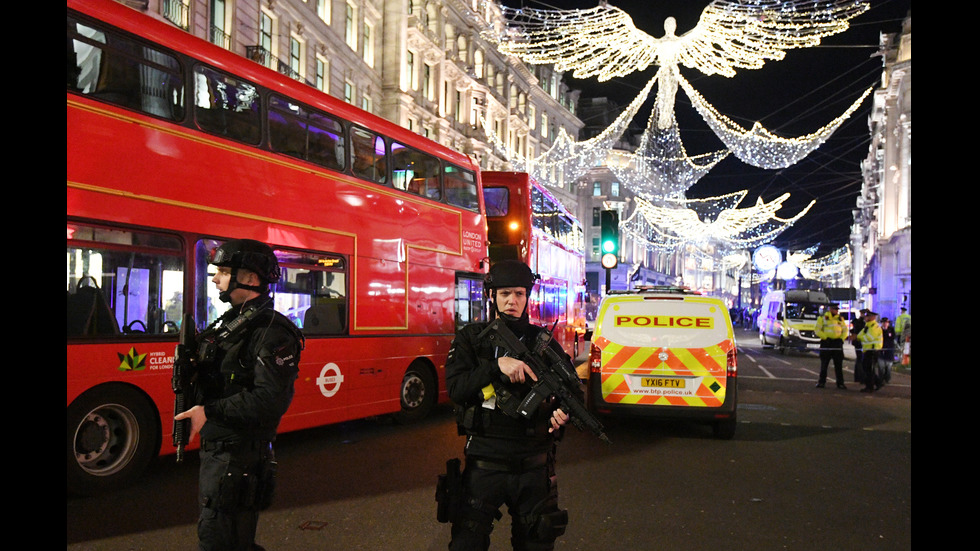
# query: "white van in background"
[787,319]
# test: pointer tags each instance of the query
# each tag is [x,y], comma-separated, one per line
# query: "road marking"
[766,371]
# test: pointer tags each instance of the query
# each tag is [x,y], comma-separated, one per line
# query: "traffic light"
[609,245]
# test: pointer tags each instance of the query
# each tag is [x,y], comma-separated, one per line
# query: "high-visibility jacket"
[901,321]
[829,326]
[871,336]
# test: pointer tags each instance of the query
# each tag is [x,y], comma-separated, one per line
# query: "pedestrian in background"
[887,355]
[871,341]
[856,326]
[832,330]
[903,319]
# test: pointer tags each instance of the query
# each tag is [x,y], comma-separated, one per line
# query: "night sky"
[792,97]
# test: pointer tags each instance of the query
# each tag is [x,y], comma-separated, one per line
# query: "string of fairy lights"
[603,42]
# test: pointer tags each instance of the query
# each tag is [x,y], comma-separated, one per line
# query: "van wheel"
[418,394]
[782,346]
[724,430]
[762,339]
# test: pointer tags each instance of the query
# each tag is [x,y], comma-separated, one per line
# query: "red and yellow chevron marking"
[706,366]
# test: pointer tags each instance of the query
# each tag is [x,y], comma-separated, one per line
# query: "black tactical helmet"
[510,273]
[250,254]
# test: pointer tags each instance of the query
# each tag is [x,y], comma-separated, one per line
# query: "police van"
[787,319]
[664,352]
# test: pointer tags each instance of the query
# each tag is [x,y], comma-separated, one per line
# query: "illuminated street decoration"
[828,267]
[716,219]
[660,166]
[603,42]
[566,154]
[758,146]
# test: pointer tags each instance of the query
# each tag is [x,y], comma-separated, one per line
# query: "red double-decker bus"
[175,145]
[526,222]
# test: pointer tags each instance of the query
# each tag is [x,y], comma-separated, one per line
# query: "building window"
[296,57]
[323,10]
[428,84]
[411,73]
[266,31]
[369,44]
[544,125]
[349,92]
[366,102]
[350,26]
[596,189]
[177,12]
[322,74]
[614,189]
[478,63]
[596,216]
[220,24]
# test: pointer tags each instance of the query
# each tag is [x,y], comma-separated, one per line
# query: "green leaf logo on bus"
[132,361]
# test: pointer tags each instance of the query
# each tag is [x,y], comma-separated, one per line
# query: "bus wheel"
[418,394]
[113,434]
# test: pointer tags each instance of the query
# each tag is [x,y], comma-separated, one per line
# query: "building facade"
[881,236]
[423,64]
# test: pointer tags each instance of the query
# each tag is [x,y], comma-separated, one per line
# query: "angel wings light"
[603,42]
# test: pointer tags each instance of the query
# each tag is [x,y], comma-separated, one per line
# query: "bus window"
[461,188]
[368,155]
[123,282]
[469,299]
[299,132]
[497,200]
[209,305]
[313,292]
[415,172]
[123,71]
[226,106]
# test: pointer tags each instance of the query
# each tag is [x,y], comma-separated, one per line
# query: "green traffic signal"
[609,223]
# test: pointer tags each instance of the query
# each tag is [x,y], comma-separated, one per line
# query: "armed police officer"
[510,459]
[248,361]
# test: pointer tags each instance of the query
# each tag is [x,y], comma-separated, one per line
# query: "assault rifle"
[194,365]
[554,374]
[183,381]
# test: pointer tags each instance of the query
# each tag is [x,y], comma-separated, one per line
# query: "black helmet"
[510,273]
[250,254]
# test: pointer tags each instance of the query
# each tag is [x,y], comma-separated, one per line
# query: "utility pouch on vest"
[449,492]
[507,401]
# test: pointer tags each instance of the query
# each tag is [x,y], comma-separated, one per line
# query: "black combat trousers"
[236,482]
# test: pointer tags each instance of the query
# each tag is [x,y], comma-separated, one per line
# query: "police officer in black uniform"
[248,360]
[509,459]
